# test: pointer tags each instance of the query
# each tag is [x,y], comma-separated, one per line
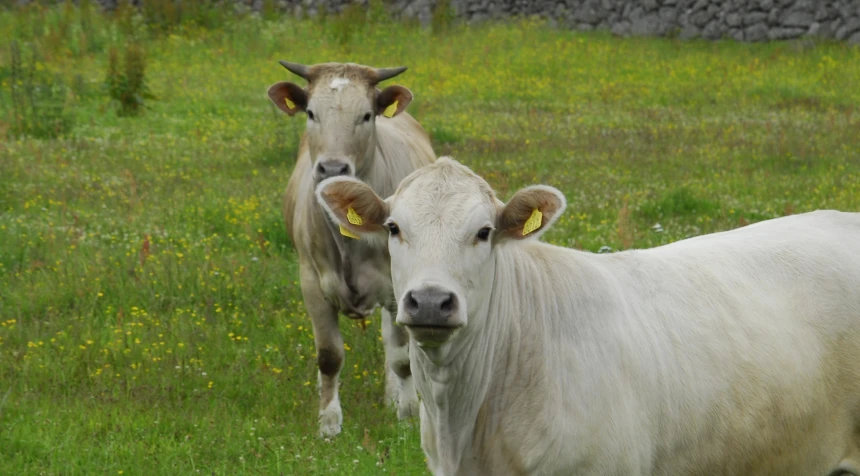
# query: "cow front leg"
[399,384]
[329,349]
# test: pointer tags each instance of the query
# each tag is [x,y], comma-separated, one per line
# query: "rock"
[757,32]
[765,4]
[773,17]
[737,34]
[846,30]
[798,18]
[648,25]
[785,33]
[689,32]
[733,19]
[650,5]
[714,31]
[700,18]
[854,39]
[668,15]
[754,17]
[621,28]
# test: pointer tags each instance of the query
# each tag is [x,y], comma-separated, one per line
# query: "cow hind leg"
[329,349]
[399,385]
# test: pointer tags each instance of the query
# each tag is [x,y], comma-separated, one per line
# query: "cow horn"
[296,68]
[387,73]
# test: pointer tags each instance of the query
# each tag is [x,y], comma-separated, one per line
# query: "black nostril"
[410,303]
[448,304]
[344,170]
[320,169]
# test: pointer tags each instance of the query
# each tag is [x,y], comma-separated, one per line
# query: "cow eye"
[393,229]
[484,233]
[310,115]
[367,117]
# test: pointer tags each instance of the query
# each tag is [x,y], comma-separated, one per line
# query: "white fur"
[736,353]
[380,153]
[338,83]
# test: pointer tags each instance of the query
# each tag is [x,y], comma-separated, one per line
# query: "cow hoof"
[330,421]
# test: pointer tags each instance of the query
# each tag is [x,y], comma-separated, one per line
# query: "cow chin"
[432,336]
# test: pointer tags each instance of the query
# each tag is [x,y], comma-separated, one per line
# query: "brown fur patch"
[387,97]
[340,196]
[278,92]
[521,206]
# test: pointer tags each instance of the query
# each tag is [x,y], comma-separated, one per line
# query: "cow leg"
[329,348]
[399,385]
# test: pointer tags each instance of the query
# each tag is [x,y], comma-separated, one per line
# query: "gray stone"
[649,25]
[650,5]
[700,18]
[689,32]
[757,32]
[765,4]
[737,34]
[824,12]
[785,33]
[846,30]
[586,15]
[754,17]
[773,16]
[714,31]
[813,29]
[636,14]
[733,19]
[854,39]
[700,5]
[621,28]
[668,15]
[798,18]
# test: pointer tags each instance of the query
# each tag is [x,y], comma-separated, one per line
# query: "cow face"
[445,227]
[341,103]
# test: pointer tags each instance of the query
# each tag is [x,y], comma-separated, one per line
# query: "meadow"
[150,315]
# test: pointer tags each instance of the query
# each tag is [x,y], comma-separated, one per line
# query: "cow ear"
[393,100]
[289,97]
[530,212]
[353,205]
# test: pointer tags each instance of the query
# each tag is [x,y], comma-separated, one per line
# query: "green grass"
[150,315]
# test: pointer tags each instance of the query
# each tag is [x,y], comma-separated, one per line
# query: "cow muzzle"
[431,314]
[331,168]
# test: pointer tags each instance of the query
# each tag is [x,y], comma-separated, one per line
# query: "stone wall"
[741,20]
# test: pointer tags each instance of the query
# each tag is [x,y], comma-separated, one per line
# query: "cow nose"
[430,306]
[332,168]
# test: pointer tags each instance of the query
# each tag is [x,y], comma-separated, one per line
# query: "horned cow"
[355,130]
[734,353]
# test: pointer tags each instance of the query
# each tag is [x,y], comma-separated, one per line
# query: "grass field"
[150,315]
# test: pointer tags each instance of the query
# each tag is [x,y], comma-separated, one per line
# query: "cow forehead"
[443,193]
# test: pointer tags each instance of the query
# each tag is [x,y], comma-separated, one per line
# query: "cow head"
[341,102]
[444,226]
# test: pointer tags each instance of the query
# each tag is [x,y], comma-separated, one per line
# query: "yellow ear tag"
[290,104]
[353,217]
[347,233]
[390,110]
[533,223]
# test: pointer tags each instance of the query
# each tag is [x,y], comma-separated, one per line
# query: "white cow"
[353,129]
[736,353]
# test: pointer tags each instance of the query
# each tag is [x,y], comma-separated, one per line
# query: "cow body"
[340,273]
[735,353]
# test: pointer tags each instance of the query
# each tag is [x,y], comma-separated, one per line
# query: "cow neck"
[456,388]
